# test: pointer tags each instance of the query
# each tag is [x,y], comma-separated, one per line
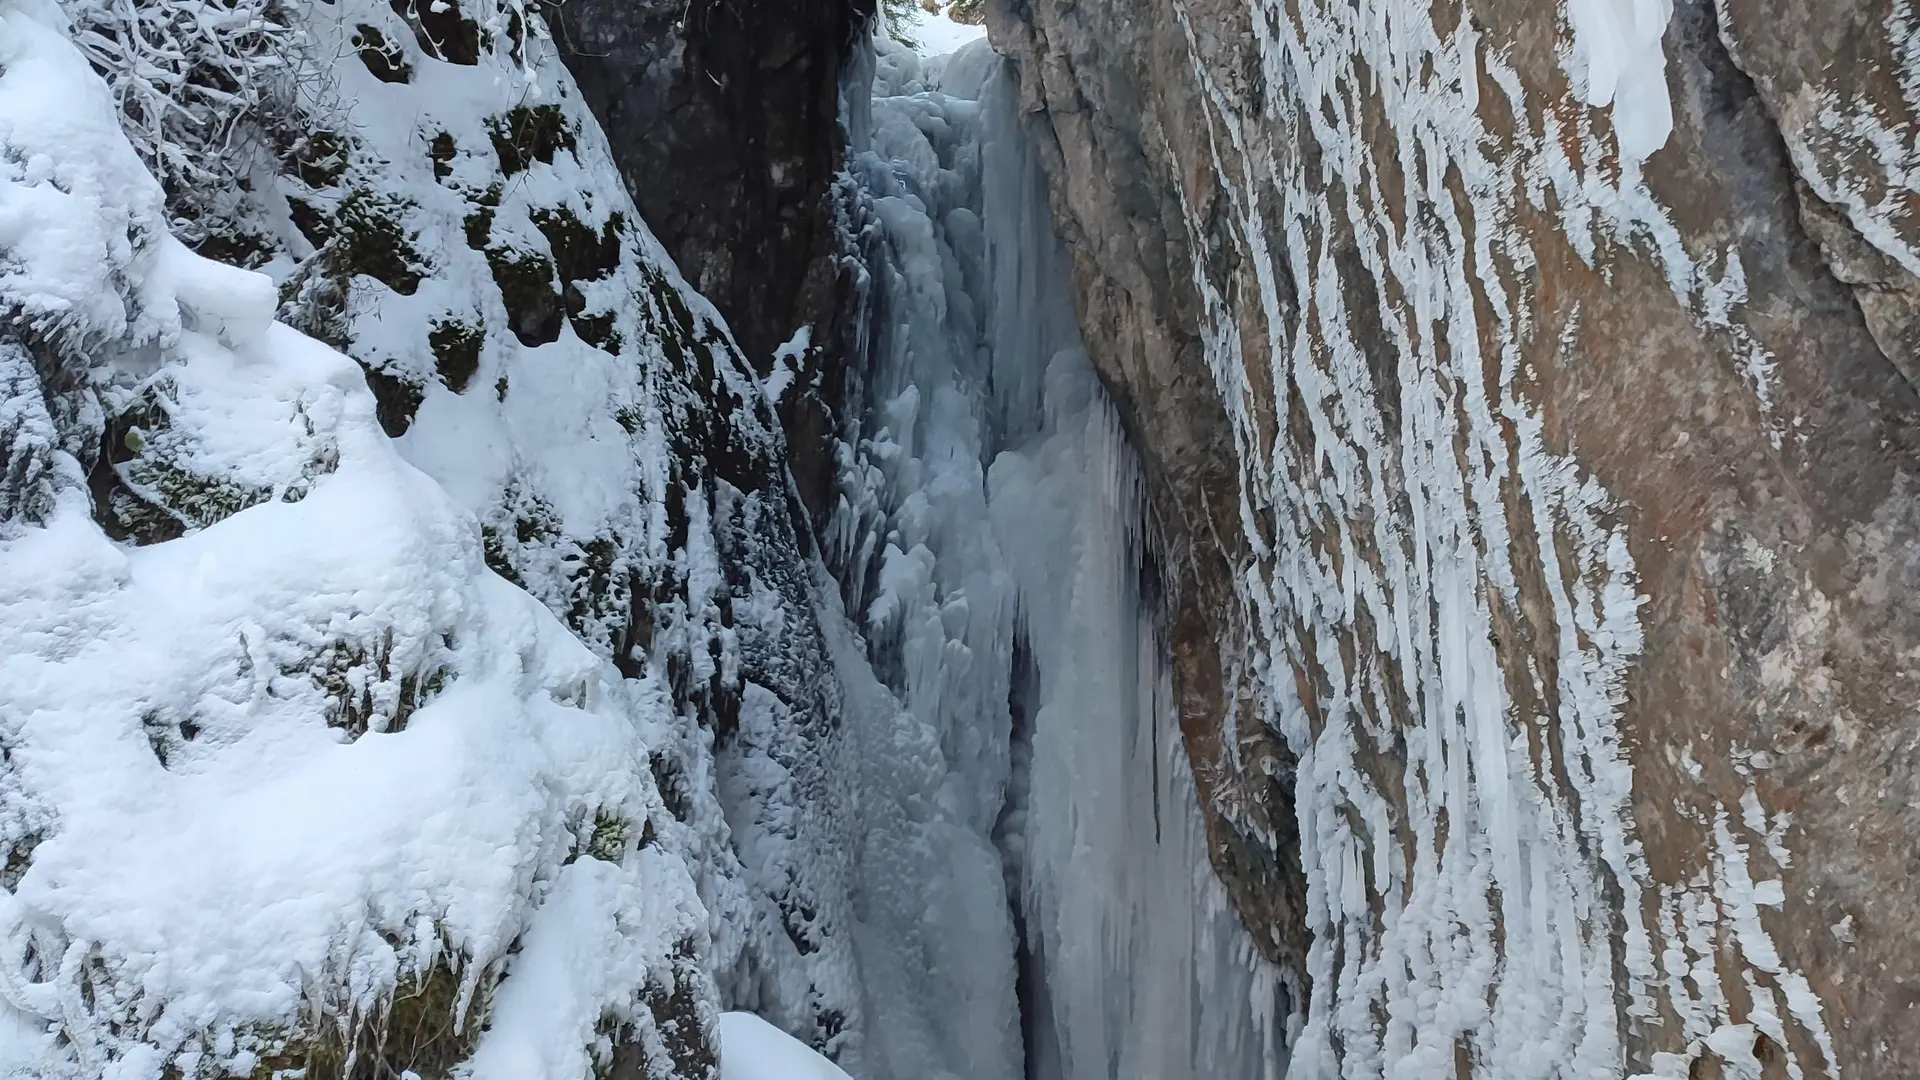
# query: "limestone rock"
[1543,513]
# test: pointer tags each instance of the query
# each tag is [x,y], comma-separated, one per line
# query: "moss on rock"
[424,1030]
[319,159]
[371,239]
[606,839]
[442,30]
[368,692]
[441,151]
[395,399]
[385,60]
[19,858]
[535,311]
[580,253]
[237,247]
[314,223]
[530,133]
[456,352]
[583,254]
[146,487]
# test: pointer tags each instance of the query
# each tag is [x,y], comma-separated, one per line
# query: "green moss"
[146,488]
[456,352]
[499,558]
[237,247]
[534,523]
[19,858]
[479,221]
[535,312]
[440,28]
[579,252]
[607,840]
[479,227]
[370,239]
[319,159]
[630,419]
[583,254]
[313,223]
[366,691]
[530,133]
[500,389]
[385,60]
[441,152]
[592,584]
[190,498]
[395,399]
[314,302]
[422,1030]
[596,330]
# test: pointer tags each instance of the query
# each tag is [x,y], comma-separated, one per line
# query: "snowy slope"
[313,762]
[567,416]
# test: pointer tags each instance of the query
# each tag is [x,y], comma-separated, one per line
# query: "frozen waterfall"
[1032,893]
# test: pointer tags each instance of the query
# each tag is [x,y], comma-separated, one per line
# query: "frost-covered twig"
[196,83]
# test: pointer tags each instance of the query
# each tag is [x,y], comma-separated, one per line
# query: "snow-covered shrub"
[199,86]
[33,467]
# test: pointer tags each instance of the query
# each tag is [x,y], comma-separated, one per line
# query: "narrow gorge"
[958,540]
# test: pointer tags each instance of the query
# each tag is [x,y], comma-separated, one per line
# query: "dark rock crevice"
[723,117]
[1793,84]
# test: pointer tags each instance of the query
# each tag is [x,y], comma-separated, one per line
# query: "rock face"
[1542,510]
[724,119]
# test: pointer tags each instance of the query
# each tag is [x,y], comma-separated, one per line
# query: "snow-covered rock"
[382,709]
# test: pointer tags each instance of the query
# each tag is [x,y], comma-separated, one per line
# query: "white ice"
[994,538]
[1618,60]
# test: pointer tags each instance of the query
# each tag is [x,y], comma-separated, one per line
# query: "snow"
[221,862]
[70,185]
[981,774]
[752,1049]
[788,361]
[585,464]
